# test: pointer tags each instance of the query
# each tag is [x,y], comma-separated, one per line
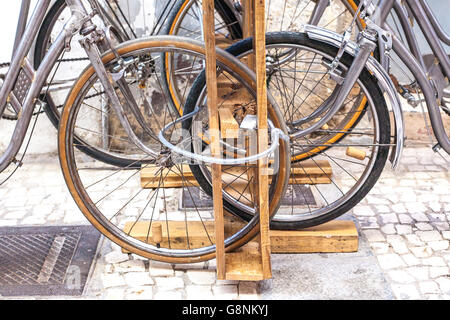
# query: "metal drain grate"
[194,198]
[46,260]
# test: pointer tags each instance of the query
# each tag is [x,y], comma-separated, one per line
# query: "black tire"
[379,103]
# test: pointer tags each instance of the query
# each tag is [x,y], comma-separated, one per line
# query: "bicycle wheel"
[114,199]
[290,15]
[299,84]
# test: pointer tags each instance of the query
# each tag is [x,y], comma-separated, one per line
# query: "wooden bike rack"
[252,261]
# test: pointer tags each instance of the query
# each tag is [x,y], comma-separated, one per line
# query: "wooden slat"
[223,42]
[245,264]
[150,177]
[336,236]
[262,113]
[313,168]
[211,84]
[305,172]
[229,97]
[179,233]
[229,128]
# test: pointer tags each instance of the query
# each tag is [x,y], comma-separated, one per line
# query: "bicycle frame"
[413,58]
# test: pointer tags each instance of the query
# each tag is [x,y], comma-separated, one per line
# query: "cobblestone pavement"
[405,219]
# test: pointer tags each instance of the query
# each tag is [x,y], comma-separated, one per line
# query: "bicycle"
[117,83]
[379,36]
[284,52]
[346,64]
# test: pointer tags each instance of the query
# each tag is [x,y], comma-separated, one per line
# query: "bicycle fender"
[384,81]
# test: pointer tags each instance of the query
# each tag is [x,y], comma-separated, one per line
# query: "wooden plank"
[223,42]
[229,127]
[211,84]
[179,233]
[175,181]
[300,169]
[245,264]
[336,236]
[230,97]
[305,172]
[312,167]
[262,113]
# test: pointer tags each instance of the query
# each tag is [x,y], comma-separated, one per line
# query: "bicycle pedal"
[410,99]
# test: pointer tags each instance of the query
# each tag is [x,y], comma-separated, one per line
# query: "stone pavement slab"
[327,276]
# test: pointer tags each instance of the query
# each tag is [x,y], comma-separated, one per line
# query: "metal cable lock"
[276,135]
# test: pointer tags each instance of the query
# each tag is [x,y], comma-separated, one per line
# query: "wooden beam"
[245,264]
[305,172]
[178,233]
[223,42]
[211,84]
[261,94]
[336,236]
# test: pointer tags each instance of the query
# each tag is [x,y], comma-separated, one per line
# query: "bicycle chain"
[7,64]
